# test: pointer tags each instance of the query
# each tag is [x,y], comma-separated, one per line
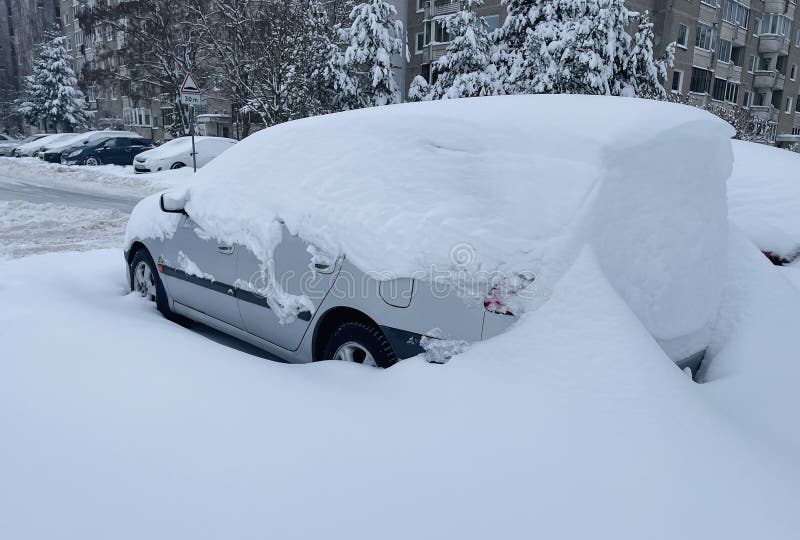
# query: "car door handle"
[225,250]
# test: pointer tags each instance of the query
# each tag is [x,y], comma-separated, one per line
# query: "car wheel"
[146,281]
[178,165]
[92,161]
[361,343]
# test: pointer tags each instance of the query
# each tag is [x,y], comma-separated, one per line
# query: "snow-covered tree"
[373,38]
[419,90]
[645,74]
[51,96]
[575,46]
[465,69]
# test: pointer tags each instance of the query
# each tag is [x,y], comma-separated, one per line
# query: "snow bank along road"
[46,207]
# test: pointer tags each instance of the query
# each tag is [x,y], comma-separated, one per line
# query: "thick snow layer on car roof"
[764,197]
[508,185]
[180,145]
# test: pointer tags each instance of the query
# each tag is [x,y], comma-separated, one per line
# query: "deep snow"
[574,424]
[764,197]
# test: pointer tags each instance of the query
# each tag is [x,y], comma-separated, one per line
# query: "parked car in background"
[8,144]
[34,147]
[106,151]
[52,152]
[177,153]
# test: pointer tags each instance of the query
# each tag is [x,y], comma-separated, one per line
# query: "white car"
[34,147]
[177,153]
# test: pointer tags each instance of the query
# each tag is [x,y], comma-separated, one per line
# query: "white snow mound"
[764,197]
[506,184]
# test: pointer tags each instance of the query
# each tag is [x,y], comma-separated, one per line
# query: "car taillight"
[494,303]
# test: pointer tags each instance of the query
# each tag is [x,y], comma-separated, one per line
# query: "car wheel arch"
[330,321]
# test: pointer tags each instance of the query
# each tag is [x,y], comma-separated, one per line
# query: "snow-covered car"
[177,153]
[764,199]
[53,152]
[35,146]
[372,235]
[8,144]
[107,150]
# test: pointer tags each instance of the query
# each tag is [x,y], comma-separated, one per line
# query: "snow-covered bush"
[51,97]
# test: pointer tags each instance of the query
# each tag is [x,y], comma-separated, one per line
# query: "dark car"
[106,151]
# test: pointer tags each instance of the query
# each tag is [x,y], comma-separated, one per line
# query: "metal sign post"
[190,95]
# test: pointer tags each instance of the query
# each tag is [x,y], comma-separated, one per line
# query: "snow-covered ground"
[47,207]
[119,424]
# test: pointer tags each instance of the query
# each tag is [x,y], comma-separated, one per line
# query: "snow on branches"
[51,96]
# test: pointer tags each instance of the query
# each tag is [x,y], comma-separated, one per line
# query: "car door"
[296,273]
[135,147]
[109,151]
[200,272]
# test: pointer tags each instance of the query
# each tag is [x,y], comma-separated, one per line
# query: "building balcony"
[431,53]
[436,8]
[765,112]
[768,79]
[728,71]
[772,44]
[780,6]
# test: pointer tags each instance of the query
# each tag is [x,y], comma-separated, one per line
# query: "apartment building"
[729,52]
[97,56]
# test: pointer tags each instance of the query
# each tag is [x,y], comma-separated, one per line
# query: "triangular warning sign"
[189,86]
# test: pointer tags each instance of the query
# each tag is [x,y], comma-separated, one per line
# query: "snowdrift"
[519,183]
[764,197]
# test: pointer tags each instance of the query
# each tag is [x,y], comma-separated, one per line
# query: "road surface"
[15,189]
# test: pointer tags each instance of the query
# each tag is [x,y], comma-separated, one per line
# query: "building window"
[719,89]
[421,5]
[775,24]
[735,13]
[701,81]
[788,108]
[732,92]
[683,35]
[703,39]
[757,26]
[747,99]
[797,104]
[712,3]
[798,38]
[492,22]
[420,38]
[677,80]
[793,72]
[752,63]
[724,51]
[440,34]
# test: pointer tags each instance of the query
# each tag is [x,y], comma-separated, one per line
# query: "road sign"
[189,86]
[190,95]
[192,100]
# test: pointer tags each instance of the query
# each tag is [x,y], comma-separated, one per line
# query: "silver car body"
[217,293]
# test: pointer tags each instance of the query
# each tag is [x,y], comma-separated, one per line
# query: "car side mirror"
[173,204]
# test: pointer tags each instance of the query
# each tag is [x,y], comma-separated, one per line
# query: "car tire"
[145,280]
[361,343]
[92,161]
[178,165]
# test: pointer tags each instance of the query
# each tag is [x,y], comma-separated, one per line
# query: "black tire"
[162,304]
[178,165]
[366,335]
[95,163]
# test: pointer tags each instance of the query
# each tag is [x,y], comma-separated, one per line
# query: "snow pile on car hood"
[508,185]
[764,197]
